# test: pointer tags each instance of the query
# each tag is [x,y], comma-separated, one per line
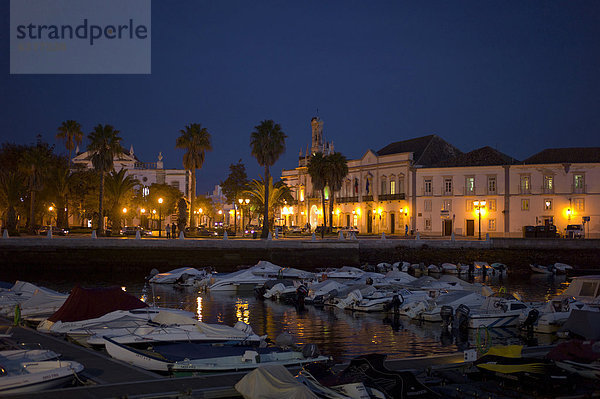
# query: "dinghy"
[23,377]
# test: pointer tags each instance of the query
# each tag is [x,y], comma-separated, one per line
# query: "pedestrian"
[173,231]
[405,230]
[168,230]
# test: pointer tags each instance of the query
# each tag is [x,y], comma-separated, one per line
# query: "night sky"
[519,76]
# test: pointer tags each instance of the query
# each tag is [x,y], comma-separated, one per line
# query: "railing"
[367,198]
[524,190]
[144,165]
[468,191]
[547,190]
[579,190]
[391,197]
[347,199]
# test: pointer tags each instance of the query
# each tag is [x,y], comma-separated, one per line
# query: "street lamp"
[142,212]
[160,201]
[478,205]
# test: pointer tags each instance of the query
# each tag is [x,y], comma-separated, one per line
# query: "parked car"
[296,230]
[131,231]
[55,230]
[575,231]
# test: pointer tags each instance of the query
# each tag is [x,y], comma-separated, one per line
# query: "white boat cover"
[173,275]
[43,302]
[215,330]
[272,382]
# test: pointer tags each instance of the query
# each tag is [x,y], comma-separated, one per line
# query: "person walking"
[168,230]
[173,231]
[405,230]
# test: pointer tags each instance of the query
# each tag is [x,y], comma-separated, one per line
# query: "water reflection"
[199,310]
[242,310]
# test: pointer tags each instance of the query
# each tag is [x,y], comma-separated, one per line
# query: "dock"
[105,377]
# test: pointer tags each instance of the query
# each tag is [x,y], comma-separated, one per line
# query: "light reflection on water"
[339,333]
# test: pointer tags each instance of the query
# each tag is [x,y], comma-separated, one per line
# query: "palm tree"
[317,169]
[104,145]
[278,194]
[195,140]
[33,164]
[268,143]
[119,190]
[335,172]
[59,178]
[70,132]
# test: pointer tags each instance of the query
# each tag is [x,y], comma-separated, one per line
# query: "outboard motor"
[310,351]
[301,293]
[259,292]
[530,320]
[461,317]
[369,281]
[447,314]
[395,303]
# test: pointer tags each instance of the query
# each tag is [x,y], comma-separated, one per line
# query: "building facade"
[426,185]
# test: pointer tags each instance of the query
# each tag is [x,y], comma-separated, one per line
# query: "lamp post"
[125,216]
[50,209]
[478,205]
[160,201]
[142,212]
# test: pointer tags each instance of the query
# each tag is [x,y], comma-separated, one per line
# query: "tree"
[104,145]
[206,205]
[119,193]
[59,178]
[278,194]
[335,172]
[195,140]
[83,193]
[70,132]
[182,211]
[11,187]
[268,143]
[317,166]
[233,186]
[170,196]
[33,165]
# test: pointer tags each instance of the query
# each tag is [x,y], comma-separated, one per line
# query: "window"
[547,204]
[492,224]
[492,205]
[447,205]
[469,206]
[579,204]
[525,205]
[578,183]
[302,194]
[427,205]
[447,186]
[491,184]
[392,187]
[383,187]
[354,220]
[401,185]
[525,184]
[427,224]
[470,185]
[548,183]
[428,187]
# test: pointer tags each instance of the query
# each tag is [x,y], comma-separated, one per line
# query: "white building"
[427,185]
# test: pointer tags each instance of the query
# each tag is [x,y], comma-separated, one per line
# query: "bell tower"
[317,135]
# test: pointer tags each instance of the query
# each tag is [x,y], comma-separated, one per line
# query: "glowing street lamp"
[160,201]
[478,207]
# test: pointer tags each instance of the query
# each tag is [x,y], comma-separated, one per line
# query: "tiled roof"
[427,150]
[565,155]
[485,156]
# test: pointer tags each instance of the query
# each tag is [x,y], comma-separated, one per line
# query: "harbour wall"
[107,258]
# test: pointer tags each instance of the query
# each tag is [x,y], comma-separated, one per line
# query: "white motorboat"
[540,269]
[19,293]
[549,317]
[42,304]
[449,268]
[186,276]
[561,268]
[29,355]
[498,310]
[169,327]
[319,292]
[23,377]
[429,307]
[345,273]
[585,289]
[255,277]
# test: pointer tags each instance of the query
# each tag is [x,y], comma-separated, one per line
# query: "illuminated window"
[579,204]
[301,194]
[392,187]
[447,186]
[547,204]
[492,205]
[470,185]
[525,205]
[548,183]
[491,184]
[525,184]
[427,205]
[579,182]
[492,224]
[427,224]
[447,205]
[355,220]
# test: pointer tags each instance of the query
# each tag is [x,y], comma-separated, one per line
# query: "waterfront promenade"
[21,257]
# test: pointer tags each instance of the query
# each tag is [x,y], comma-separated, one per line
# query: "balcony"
[524,190]
[581,189]
[468,191]
[347,199]
[144,165]
[547,190]
[366,198]
[391,197]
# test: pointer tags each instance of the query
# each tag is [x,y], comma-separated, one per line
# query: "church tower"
[317,135]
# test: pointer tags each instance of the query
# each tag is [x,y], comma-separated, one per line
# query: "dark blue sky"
[519,76]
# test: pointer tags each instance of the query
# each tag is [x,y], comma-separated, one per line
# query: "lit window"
[525,205]
[547,204]
[470,185]
[579,182]
[469,206]
[492,224]
[492,205]
[525,184]
[548,183]
[393,187]
[301,194]
[447,205]
[579,204]
[427,205]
